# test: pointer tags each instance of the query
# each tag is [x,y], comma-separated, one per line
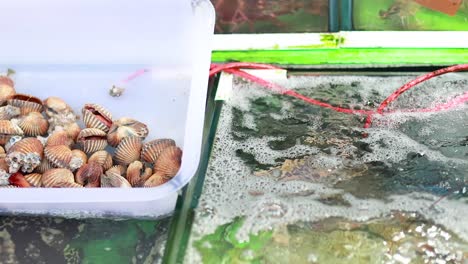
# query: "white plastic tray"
[78,49]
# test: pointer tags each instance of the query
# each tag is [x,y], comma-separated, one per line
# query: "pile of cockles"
[42,145]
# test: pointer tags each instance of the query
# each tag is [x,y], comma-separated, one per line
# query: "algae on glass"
[405,15]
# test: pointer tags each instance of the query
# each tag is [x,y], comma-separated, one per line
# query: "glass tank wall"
[291,16]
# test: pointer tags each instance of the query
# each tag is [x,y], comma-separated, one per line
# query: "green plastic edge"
[181,225]
[348,56]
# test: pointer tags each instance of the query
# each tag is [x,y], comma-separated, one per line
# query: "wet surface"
[282,172]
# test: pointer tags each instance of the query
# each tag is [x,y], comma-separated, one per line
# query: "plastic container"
[78,49]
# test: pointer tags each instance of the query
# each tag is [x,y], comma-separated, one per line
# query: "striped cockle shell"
[103,158]
[119,169]
[33,124]
[155,180]
[56,106]
[27,145]
[126,127]
[8,112]
[96,116]
[152,149]
[17,179]
[52,177]
[113,179]
[3,164]
[73,130]
[92,140]
[128,150]
[8,186]
[7,88]
[7,130]
[59,137]
[35,179]
[44,166]
[134,172]
[79,158]
[66,185]
[26,103]
[60,156]
[89,175]
[168,163]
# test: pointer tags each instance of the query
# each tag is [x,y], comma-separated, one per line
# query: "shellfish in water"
[7,130]
[126,127]
[34,124]
[96,116]
[168,163]
[25,154]
[128,150]
[53,177]
[26,103]
[113,179]
[151,150]
[92,140]
[89,175]
[7,88]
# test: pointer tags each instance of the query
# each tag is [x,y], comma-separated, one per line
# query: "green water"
[57,240]
[293,183]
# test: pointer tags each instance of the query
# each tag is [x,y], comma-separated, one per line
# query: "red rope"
[234,68]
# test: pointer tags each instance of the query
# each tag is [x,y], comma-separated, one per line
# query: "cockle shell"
[79,158]
[26,103]
[126,127]
[152,149]
[56,106]
[3,164]
[25,154]
[134,172]
[168,163]
[96,116]
[35,179]
[119,169]
[8,186]
[7,130]
[44,166]
[89,175]
[17,179]
[92,140]
[128,150]
[33,124]
[102,158]
[59,137]
[66,185]
[155,180]
[73,130]
[8,112]
[113,179]
[60,156]
[7,88]
[2,150]
[27,145]
[52,177]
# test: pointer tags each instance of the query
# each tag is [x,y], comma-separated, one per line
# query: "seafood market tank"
[77,50]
